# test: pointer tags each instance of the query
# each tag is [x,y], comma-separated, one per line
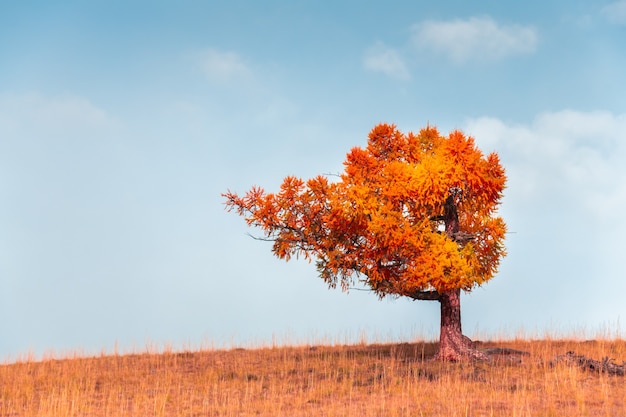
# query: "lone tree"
[411,215]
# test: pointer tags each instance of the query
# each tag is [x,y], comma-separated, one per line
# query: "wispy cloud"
[474,39]
[382,58]
[223,66]
[567,159]
[615,12]
[51,115]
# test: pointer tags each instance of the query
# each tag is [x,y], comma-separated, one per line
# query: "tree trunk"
[453,345]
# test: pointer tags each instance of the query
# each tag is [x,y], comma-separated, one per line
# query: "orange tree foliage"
[382,222]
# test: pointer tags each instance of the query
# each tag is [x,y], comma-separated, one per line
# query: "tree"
[411,216]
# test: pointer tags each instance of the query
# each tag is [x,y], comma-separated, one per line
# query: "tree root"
[467,350]
[458,347]
[605,365]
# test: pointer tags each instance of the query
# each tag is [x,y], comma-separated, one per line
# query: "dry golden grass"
[360,380]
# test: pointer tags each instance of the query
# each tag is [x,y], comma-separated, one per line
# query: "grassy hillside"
[360,380]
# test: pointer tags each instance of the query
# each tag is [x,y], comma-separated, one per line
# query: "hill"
[356,380]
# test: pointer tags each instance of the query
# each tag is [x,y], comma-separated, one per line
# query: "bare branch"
[264,239]
[360,289]
[605,365]
[331,174]
[424,295]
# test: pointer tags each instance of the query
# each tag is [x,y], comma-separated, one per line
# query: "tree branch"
[263,239]
[424,295]
[462,237]
[360,289]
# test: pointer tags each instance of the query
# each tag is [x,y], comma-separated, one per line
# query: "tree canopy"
[412,215]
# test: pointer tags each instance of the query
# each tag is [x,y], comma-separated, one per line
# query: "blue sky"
[121,123]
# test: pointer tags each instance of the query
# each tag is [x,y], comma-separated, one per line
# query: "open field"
[356,380]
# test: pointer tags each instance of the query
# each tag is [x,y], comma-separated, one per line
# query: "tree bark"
[453,345]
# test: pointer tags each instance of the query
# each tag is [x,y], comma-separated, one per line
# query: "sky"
[122,123]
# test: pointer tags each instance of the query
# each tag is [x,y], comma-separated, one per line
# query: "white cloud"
[476,38]
[577,154]
[381,58]
[564,204]
[223,65]
[615,12]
